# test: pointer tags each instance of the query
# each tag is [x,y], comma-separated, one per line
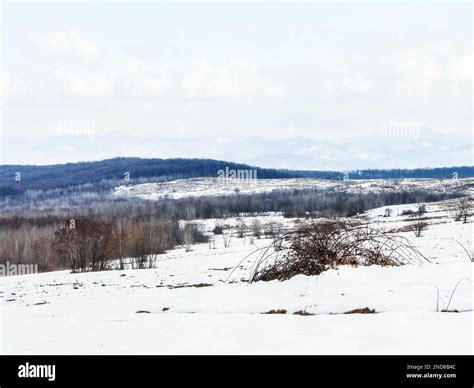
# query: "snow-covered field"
[192,302]
[215,186]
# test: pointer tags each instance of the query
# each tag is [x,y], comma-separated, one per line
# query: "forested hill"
[17,178]
[420,173]
[99,175]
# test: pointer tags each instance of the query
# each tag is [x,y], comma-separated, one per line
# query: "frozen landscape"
[198,187]
[199,299]
[236,178]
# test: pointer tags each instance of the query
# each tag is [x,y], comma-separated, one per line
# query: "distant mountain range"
[381,150]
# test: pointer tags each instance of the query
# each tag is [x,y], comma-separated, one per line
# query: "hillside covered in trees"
[15,179]
[102,175]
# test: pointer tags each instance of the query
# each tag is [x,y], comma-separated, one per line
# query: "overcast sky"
[276,70]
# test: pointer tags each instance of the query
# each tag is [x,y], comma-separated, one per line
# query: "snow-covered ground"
[192,302]
[182,188]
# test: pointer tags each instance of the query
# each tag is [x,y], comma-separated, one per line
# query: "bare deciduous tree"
[461,209]
[419,227]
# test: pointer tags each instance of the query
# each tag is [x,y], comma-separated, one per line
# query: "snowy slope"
[214,186]
[189,304]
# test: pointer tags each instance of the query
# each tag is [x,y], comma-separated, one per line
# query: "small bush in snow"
[461,210]
[419,227]
[317,247]
[241,229]
[193,235]
[256,228]
[422,209]
[218,229]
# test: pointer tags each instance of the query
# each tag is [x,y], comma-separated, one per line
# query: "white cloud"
[10,85]
[143,80]
[149,81]
[84,85]
[416,66]
[90,86]
[414,91]
[205,81]
[358,84]
[67,44]
[412,76]
[4,84]
[462,68]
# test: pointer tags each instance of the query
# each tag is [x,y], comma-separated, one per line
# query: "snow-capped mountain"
[426,149]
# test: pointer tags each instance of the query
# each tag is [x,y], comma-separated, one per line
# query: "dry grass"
[302,313]
[364,310]
[282,311]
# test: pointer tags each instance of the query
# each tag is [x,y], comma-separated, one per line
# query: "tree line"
[134,232]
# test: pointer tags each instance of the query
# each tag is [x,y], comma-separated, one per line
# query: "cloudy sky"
[277,70]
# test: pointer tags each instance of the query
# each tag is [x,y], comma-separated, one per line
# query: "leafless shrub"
[317,247]
[273,230]
[218,228]
[84,244]
[422,209]
[461,209]
[364,310]
[277,311]
[227,238]
[256,228]
[192,235]
[418,212]
[144,243]
[419,227]
[302,313]
[241,229]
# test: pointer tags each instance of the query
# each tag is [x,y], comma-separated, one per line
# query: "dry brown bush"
[277,311]
[419,227]
[364,310]
[317,247]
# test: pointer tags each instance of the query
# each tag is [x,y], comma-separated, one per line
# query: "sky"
[317,70]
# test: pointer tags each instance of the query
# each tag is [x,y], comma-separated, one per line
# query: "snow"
[191,304]
[197,187]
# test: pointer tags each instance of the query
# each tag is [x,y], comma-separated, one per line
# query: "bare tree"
[85,244]
[422,208]
[189,236]
[256,228]
[461,209]
[419,227]
[227,238]
[241,229]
